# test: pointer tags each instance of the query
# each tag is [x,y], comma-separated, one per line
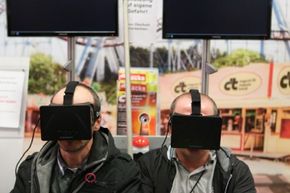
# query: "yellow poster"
[144,85]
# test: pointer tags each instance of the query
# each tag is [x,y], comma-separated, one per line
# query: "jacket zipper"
[80,185]
[228,183]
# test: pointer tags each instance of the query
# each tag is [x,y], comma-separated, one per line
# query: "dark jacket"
[114,171]
[230,176]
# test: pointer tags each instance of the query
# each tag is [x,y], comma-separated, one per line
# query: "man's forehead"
[81,95]
[184,100]
[183,104]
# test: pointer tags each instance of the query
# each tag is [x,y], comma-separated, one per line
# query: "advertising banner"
[11,95]
[234,83]
[144,20]
[172,85]
[281,81]
[144,85]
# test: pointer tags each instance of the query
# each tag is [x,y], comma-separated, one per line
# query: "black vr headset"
[68,121]
[195,131]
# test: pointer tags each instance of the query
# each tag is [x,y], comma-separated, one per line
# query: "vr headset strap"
[195,102]
[69,92]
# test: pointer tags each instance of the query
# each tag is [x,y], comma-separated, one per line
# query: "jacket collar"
[223,156]
[103,148]
[102,140]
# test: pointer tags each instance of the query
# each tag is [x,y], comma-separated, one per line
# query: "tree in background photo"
[238,58]
[45,78]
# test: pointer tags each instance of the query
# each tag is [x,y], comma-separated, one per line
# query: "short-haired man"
[78,166]
[188,170]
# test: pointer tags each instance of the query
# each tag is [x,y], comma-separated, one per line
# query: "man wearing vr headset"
[72,161]
[194,162]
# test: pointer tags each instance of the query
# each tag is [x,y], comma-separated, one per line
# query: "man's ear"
[97,123]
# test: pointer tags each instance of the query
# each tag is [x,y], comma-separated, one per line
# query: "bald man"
[79,166]
[186,170]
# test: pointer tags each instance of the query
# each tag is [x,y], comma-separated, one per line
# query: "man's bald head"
[182,104]
[82,94]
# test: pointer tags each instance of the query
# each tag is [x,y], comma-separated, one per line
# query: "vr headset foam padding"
[71,122]
[196,131]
